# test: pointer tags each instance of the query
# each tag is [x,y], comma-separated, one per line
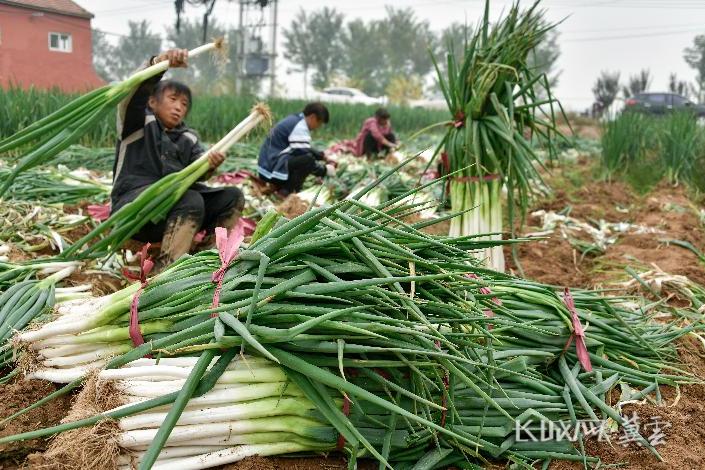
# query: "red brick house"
[46,44]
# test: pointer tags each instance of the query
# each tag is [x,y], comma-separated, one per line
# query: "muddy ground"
[552,261]
[579,192]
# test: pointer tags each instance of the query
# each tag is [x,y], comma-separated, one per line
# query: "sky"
[595,35]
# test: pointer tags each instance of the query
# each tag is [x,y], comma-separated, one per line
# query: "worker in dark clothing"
[376,135]
[286,157]
[154,142]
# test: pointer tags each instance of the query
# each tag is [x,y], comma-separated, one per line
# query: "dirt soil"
[681,416]
[297,463]
[552,261]
[16,396]
[292,206]
[667,208]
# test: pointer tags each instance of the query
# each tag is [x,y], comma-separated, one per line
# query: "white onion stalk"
[260,375]
[135,457]
[63,294]
[222,396]
[111,306]
[255,409]
[486,217]
[186,434]
[233,454]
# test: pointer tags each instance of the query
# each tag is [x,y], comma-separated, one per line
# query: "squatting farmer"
[376,135]
[153,142]
[286,157]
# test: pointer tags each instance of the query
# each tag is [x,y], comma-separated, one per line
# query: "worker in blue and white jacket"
[286,157]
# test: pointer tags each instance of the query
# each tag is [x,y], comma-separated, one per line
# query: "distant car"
[433,103]
[346,95]
[662,103]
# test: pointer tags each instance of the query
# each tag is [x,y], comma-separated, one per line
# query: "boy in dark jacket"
[153,142]
[286,157]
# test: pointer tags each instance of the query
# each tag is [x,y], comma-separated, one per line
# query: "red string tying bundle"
[146,265]
[445,163]
[578,333]
[459,120]
[346,412]
[228,245]
[486,291]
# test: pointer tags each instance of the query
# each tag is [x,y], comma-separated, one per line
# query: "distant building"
[46,44]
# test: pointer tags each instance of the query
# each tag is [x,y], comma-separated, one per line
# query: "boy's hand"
[176,57]
[215,159]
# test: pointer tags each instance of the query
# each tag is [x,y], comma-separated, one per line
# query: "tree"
[102,55]
[204,73]
[680,87]
[695,57]
[605,90]
[452,39]
[134,49]
[313,42]
[362,58]
[376,52]
[405,43]
[544,57]
[402,89]
[327,51]
[297,44]
[637,83]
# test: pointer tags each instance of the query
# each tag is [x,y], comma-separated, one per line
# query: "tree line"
[389,56]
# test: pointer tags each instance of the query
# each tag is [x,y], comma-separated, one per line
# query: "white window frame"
[60,49]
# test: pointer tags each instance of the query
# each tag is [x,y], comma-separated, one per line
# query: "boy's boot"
[177,239]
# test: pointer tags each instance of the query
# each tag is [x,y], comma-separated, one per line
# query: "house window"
[60,42]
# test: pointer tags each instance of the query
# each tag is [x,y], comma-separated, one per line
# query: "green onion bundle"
[11,273]
[154,203]
[56,132]
[377,325]
[495,99]
[77,156]
[52,186]
[24,302]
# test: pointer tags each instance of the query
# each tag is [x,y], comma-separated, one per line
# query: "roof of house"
[63,7]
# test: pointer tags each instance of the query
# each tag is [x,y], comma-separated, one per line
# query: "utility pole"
[273,57]
[240,56]
[257,58]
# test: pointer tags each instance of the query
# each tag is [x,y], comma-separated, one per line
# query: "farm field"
[588,232]
[495,285]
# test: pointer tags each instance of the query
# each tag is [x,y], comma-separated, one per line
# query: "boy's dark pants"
[299,166]
[204,210]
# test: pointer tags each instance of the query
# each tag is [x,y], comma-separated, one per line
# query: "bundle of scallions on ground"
[361,334]
[56,132]
[501,109]
[54,186]
[26,297]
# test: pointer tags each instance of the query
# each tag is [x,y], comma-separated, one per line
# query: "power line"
[634,36]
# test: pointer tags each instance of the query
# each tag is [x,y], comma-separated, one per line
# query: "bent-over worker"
[376,135]
[286,157]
